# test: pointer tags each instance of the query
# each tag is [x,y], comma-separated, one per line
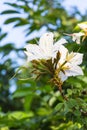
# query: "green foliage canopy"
[37,105]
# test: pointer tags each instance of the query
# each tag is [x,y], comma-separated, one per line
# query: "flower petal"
[63,52]
[59,47]
[77,59]
[33,52]
[62,76]
[30,56]
[82,25]
[74,70]
[46,43]
[76,37]
[61,41]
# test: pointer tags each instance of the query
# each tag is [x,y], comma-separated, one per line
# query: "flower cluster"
[64,64]
[49,57]
[83,33]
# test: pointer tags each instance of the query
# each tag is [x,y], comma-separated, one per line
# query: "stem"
[58,83]
[62,94]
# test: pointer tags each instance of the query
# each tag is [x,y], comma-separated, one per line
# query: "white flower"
[76,37]
[69,64]
[46,48]
[83,26]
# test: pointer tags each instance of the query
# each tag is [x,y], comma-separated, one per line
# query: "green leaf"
[4,128]
[10,12]
[6,49]
[21,93]
[76,28]
[66,108]
[10,20]
[59,106]
[19,115]
[72,103]
[21,23]
[43,111]
[77,113]
[69,91]
[12,4]
[3,36]
[27,102]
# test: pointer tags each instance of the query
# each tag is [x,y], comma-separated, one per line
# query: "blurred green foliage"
[38,105]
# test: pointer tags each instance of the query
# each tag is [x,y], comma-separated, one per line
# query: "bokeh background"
[27,104]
